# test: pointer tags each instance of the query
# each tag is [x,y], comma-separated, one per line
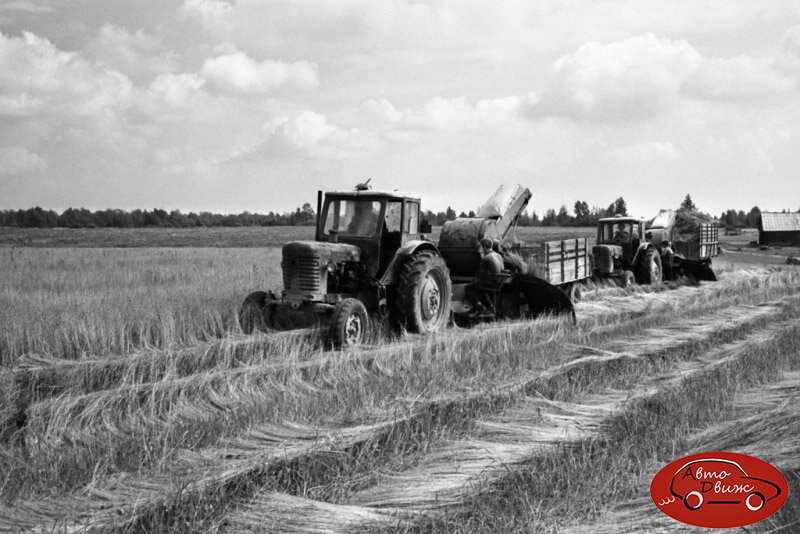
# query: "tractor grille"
[302,274]
[603,261]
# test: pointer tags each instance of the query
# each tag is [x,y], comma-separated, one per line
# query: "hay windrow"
[496,446]
[313,399]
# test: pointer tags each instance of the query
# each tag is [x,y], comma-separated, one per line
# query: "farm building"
[779,229]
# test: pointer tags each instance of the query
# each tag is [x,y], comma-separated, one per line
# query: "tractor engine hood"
[305,267]
[336,252]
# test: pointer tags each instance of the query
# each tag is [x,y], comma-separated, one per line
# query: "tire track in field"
[227,467]
[447,475]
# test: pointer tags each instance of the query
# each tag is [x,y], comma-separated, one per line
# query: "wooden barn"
[782,229]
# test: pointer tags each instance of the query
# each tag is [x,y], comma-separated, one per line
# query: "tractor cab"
[619,240]
[623,232]
[378,223]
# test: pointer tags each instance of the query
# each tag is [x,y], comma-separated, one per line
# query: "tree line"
[580,215]
[115,218]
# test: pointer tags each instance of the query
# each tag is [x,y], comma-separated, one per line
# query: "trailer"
[565,264]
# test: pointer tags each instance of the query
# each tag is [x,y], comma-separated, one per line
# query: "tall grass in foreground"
[67,303]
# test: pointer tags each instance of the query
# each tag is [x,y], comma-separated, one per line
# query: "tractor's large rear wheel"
[255,315]
[349,324]
[649,268]
[423,293]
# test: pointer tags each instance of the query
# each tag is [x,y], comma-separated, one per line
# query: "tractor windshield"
[356,218]
[617,232]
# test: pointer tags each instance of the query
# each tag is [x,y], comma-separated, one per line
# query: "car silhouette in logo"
[715,481]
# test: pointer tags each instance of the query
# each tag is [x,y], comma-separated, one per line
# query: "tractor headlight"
[331,267]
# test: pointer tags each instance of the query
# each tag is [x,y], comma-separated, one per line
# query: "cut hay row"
[493,448]
[44,377]
[40,378]
[222,468]
[615,472]
[135,430]
[764,422]
[227,399]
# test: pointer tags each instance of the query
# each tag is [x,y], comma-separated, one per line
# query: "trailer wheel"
[349,323]
[255,313]
[650,271]
[423,293]
[627,279]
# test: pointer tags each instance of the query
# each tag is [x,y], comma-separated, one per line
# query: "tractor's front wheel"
[349,324]
[423,293]
[256,313]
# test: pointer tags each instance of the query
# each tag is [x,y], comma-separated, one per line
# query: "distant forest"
[580,215]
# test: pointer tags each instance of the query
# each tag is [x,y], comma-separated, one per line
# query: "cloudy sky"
[255,104]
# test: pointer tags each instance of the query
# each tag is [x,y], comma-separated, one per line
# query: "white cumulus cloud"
[637,78]
[237,72]
[310,135]
[34,73]
[176,89]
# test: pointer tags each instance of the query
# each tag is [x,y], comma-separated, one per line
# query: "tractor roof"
[393,195]
[619,219]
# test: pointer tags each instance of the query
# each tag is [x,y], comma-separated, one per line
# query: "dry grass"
[79,303]
[175,431]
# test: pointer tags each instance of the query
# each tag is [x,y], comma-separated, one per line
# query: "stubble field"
[131,401]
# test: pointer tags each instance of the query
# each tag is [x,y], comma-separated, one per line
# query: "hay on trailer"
[688,224]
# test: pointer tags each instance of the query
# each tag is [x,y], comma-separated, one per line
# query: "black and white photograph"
[399,266]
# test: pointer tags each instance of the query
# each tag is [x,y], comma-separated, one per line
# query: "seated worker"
[491,263]
[621,235]
[365,220]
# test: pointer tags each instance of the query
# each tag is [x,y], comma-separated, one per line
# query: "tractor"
[622,253]
[630,252]
[369,259]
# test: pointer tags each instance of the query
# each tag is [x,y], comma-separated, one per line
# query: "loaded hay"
[688,224]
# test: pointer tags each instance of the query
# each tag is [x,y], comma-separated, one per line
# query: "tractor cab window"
[620,232]
[357,218]
[393,216]
[412,218]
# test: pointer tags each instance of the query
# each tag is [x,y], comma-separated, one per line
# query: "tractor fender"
[389,278]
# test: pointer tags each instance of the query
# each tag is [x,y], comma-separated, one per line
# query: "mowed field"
[131,401]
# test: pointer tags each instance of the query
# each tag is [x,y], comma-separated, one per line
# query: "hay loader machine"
[372,259]
[630,251]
